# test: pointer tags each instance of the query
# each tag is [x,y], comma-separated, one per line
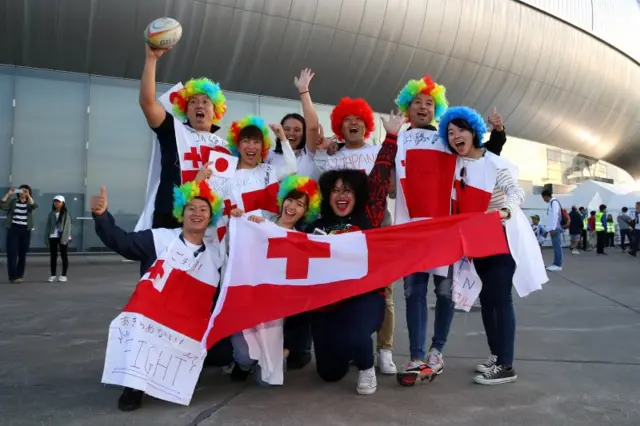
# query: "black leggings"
[54,243]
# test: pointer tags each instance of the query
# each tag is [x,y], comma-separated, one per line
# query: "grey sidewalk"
[578,360]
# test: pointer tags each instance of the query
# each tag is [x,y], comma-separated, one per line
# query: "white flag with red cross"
[273,273]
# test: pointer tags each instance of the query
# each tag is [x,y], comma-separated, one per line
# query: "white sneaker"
[435,361]
[52,278]
[385,362]
[554,268]
[367,383]
[575,252]
[62,279]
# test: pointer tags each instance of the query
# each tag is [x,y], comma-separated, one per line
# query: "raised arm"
[290,161]
[152,109]
[308,110]
[381,173]
[498,135]
[5,202]
[131,245]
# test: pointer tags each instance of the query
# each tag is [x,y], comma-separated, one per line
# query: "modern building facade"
[70,120]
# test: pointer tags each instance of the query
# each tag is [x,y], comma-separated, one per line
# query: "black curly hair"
[356,180]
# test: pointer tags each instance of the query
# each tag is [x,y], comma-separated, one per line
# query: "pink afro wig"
[348,106]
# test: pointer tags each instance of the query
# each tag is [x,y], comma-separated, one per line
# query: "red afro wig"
[348,106]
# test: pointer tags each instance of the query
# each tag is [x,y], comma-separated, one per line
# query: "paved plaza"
[577,350]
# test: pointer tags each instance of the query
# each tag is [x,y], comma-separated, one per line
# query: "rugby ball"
[163,33]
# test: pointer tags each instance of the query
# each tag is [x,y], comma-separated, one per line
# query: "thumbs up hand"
[99,202]
[496,120]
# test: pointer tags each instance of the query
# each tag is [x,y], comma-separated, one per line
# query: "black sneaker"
[487,365]
[130,400]
[498,375]
[415,373]
[298,361]
[238,374]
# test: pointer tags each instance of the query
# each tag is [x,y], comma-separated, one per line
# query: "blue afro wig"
[469,116]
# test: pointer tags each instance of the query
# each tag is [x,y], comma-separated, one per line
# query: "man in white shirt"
[554,210]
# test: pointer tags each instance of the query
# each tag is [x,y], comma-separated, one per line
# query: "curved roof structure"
[553,81]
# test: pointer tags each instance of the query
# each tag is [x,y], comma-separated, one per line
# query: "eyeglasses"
[463,174]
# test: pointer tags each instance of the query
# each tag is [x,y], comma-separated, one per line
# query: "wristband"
[302,93]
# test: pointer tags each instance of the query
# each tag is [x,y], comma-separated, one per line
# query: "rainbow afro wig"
[184,193]
[357,107]
[470,116]
[237,126]
[200,86]
[428,87]
[307,186]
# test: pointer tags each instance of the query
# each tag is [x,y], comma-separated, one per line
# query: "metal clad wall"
[551,82]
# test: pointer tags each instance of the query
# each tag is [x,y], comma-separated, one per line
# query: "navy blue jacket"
[137,246]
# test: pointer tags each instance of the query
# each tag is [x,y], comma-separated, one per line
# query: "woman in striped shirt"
[485,182]
[19,223]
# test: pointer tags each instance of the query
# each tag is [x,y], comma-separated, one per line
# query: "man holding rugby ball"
[186,137]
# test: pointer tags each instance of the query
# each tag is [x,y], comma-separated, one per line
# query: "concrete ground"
[578,360]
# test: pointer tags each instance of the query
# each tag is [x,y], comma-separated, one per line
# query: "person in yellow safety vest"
[611,231]
[601,229]
[585,227]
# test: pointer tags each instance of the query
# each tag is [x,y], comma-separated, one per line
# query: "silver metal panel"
[433,23]
[270,36]
[328,13]
[372,18]
[551,82]
[251,5]
[351,15]
[278,8]
[304,10]
[412,25]
[394,17]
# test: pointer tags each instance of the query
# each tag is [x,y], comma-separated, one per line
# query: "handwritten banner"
[466,285]
[145,355]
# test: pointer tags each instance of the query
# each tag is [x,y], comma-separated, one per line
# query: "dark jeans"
[415,296]
[602,241]
[583,233]
[344,334]
[54,243]
[18,239]
[498,315]
[164,220]
[625,234]
[611,239]
[635,241]
[297,334]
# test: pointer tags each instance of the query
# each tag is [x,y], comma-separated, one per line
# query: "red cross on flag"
[273,273]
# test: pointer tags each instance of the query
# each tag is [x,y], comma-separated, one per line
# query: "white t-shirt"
[363,158]
[305,159]
[56,229]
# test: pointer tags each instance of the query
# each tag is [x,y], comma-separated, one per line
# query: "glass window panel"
[6,130]
[553,155]
[238,106]
[324,117]
[273,109]
[50,131]
[119,160]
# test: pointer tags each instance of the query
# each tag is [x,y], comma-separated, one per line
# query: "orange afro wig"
[348,106]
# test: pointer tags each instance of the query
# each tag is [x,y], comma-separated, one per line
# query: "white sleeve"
[555,213]
[290,161]
[514,193]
